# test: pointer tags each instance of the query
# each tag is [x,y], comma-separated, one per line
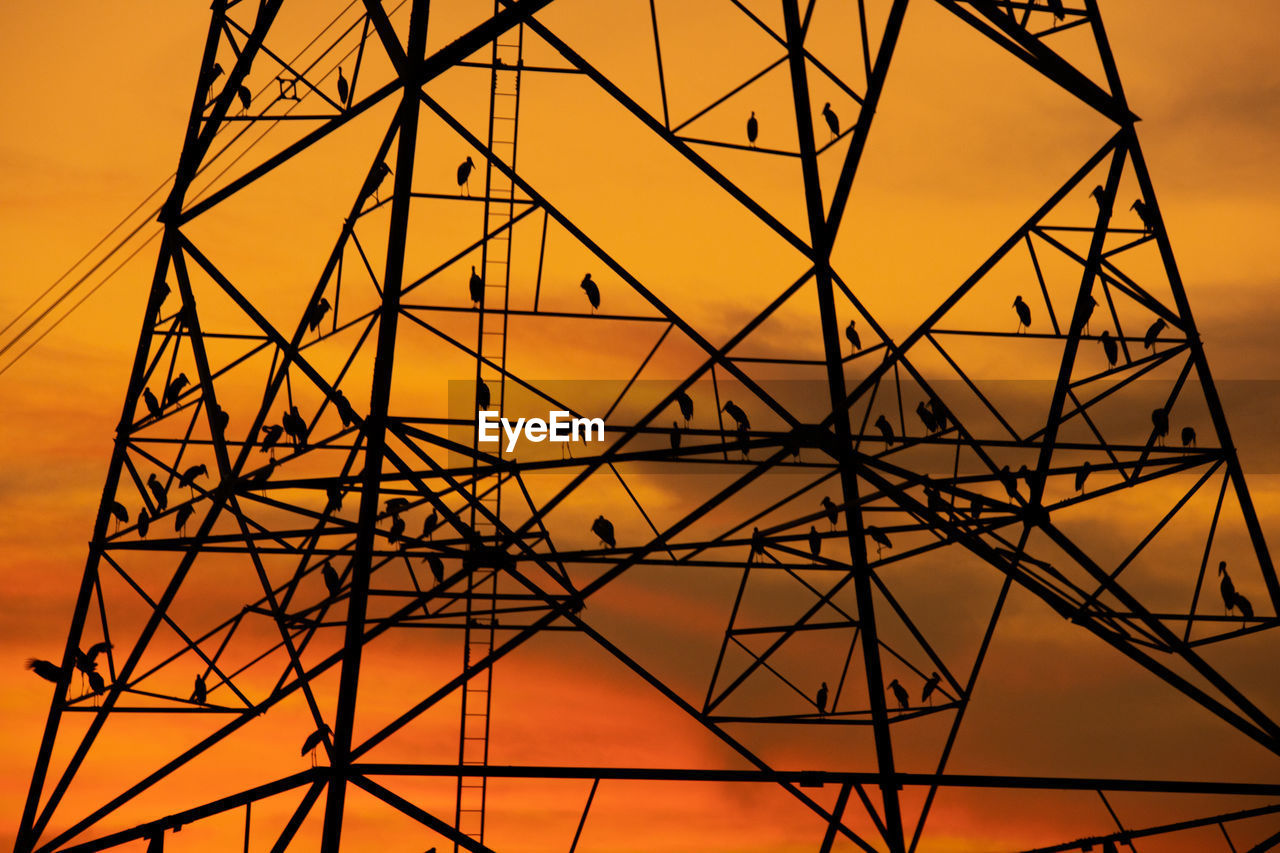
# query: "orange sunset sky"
[967,143]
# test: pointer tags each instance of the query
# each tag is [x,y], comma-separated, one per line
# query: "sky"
[966,144]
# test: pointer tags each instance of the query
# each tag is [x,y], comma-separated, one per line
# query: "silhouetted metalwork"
[278,463]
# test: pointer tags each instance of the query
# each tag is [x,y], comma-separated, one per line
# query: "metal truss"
[284,496]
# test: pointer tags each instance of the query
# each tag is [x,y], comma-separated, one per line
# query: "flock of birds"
[900,694]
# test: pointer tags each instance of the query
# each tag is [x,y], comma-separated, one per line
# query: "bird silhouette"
[686,406]
[882,424]
[46,669]
[821,699]
[833,512]
[1245,606]
[753,129]
[464,174]
[343,88]
[397,528]
[1089,306]
[1009,481]
[739,417]
[429,526]
[815,541]
[437,568]
[1152,335]
[675,435]
[314,740]
[744,439]
[153,405]
[200,693]
[333,498]
[372,182]
[172,392]
[879,537]
[345,410]
[1146,214]
[482,395]
[833,121]
[395,506]
[182,515]
[1024,313]
[269,437]
[119,512]
[757,541]
[476,286]
[941,416]
[87,662]
[97,684]
[1188,437]
[188,478]
[245,97]
[144,522]
[332,582]
[900,693]
[851,332]
[1059,11]
[1110,348]
[218,417]
[215,72]
[1227,587]
[603,529]
[159,491]
[926,417]
[1159,424]
[1082,474]
[592,290]
[315,314]
[295,426]
[1099,195]
[930,685]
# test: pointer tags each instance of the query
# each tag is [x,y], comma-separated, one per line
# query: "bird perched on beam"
[821,699]
[1226,586]
[815,541]
[270,436]
[1082,474]
[1146,213]
[1159,425]
[686,406]
[429,526]
[926,417]
[851,332]
[188,478]
[1059,11]
[315,314]
[295,426]
[200,693]
[314,740]
[833,121]
[344,408]
[476,287]
[464,174]
[344,89]
[879,537]
[174,389]
[603,529]
[930,685]
[832,511]
[395,506]
[675,435]
[1024,313]
[900,693]
[158,490]
[482,395]
[753,129]
[119,512]
[371,183]
[882,424]
[1188,437]
[1110,348]
[153,405]
[1152,335]
[182,515]
[437,567]
[739,417]
[592,290]
[245,98]
[332,582]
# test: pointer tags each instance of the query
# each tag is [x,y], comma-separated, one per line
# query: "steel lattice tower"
[296,484]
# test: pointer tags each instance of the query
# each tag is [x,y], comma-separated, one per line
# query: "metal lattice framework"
[295,485]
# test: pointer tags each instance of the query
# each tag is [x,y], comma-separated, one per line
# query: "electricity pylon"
[300,522]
